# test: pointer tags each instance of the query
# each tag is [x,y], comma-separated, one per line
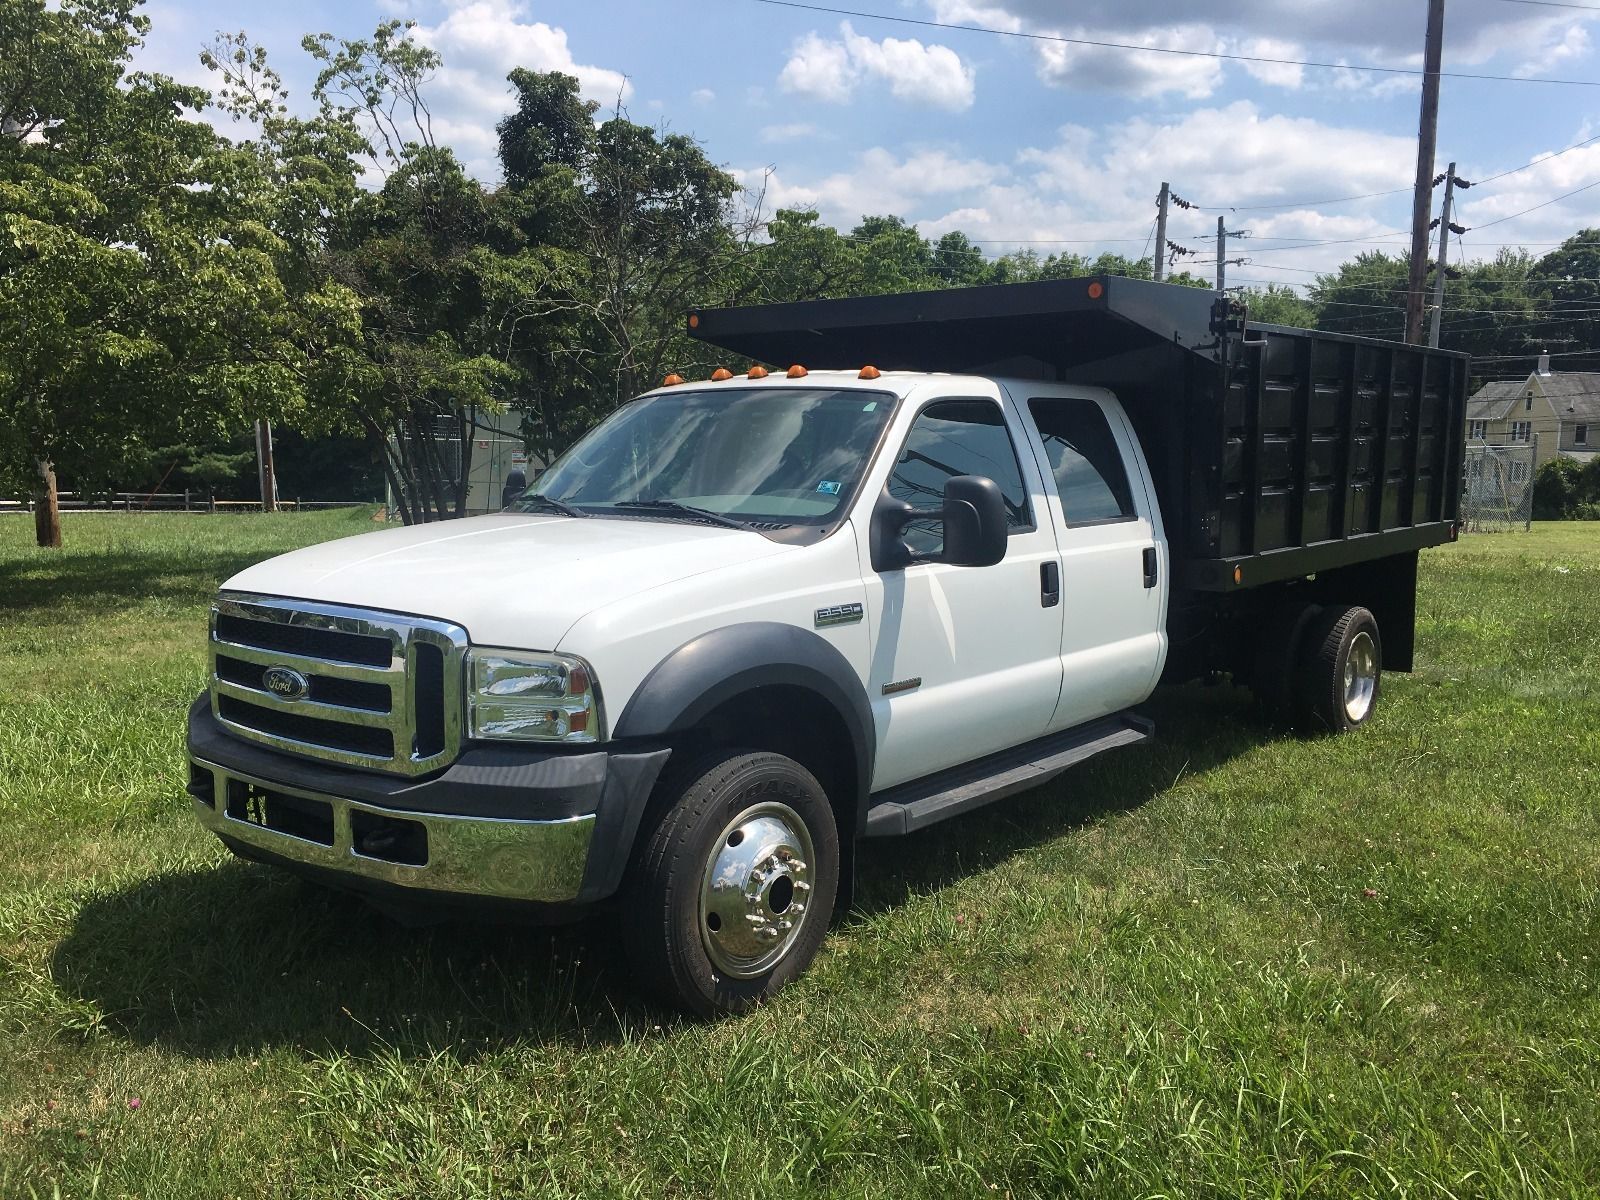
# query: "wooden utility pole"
[269,480]
[1222,255]
[1161,233]
[1422,197]
[1444,249]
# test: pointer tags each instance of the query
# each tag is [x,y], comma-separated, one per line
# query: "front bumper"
[500,823]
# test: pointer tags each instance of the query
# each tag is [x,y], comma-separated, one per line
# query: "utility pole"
[1161,233]
[1422,196]
[1222,255]
[268,478]
[1444,248]
[1223,234]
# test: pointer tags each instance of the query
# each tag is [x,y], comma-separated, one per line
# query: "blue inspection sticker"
[828,487]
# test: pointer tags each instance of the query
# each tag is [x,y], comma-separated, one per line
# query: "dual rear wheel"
[1322,667]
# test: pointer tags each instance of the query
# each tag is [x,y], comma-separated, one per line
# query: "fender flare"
[706,671]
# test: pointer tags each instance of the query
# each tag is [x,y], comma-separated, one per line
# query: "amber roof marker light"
[797,372]
[672,380]
[757,373]
[720,374]
[869,372]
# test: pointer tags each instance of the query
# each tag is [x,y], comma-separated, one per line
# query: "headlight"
[531,697]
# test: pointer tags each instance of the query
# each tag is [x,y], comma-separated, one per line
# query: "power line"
[1554,4]
[1216,54]
[1392,191]
[1537,161]
[1536,207]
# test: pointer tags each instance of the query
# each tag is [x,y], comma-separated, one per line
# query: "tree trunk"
[47,507]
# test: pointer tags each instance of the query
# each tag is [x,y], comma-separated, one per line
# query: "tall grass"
[1234,964]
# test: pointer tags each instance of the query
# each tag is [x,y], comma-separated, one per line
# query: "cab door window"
[1090,476]
[950,438]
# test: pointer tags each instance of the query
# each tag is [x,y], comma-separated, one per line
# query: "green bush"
[1556,490]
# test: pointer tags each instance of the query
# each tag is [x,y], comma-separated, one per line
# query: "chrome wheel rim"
[1360,677]
[756,894]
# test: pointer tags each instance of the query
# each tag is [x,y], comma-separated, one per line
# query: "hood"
[513,579]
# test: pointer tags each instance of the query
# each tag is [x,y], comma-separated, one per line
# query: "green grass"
[1238,964]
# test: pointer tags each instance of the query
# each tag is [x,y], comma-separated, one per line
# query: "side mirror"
[974,518]
[974,522]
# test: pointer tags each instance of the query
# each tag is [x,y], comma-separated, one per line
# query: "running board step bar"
[923,802]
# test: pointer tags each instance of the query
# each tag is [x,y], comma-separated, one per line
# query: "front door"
[965,659]
[1113,572]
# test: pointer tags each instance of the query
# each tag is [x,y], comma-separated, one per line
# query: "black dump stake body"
[1283,458]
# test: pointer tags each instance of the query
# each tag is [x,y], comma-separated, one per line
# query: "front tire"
[732,892]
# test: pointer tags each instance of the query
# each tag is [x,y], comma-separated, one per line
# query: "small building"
[1557,411]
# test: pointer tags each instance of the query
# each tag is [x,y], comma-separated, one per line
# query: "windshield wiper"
[688,510]
[560,506]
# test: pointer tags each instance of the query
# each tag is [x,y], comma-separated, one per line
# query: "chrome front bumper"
[434,852]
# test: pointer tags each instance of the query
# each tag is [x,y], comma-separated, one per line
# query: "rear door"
[965,659]
[1113,557]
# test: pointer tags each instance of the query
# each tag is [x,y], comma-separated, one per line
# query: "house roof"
[1574,395]
[1493,401]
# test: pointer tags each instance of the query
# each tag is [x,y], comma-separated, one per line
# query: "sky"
[1026,141]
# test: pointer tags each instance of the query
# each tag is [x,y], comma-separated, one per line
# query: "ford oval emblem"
[285,683]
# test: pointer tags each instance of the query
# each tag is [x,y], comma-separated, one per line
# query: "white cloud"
[1567,45]
[1147,73]
[702,95]
[1085,190]
[1284,75]
[830,70]
[480,42]
[790,132]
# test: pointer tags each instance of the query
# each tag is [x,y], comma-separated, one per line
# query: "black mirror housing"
[973,515]
[974,522]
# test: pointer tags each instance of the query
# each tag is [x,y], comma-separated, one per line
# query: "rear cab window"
[1090,473]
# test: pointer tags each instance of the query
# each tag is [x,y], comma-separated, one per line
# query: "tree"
[1567,289]
[132,285]
[1276,304]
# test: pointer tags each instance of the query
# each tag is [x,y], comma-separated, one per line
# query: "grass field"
[1239,964]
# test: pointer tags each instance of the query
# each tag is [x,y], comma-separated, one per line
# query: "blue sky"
[1027,142]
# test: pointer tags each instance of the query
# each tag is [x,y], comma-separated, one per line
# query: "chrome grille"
[364,688]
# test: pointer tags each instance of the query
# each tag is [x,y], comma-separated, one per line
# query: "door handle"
[1049,584]
[1149,566]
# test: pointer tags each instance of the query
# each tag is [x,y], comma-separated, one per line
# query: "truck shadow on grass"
[239,959]
[94,580]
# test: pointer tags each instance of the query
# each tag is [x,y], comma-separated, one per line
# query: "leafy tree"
[1279,305]
[1567,287]
[1555,489]
[133,287]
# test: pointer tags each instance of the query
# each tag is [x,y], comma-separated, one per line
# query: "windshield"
[786,456]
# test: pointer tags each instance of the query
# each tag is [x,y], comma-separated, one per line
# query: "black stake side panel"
[1276,454]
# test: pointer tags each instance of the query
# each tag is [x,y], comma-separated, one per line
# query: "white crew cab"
[738,626]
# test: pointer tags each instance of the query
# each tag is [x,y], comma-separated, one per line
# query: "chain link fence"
[1498,492]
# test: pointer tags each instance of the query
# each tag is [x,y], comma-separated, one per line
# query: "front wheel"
[731,893]
[1341,669]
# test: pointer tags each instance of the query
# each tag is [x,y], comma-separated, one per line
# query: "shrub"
[1557,489]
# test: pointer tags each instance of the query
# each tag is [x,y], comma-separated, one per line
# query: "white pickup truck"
[748,621]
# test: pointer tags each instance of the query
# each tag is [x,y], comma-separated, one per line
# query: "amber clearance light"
[1096,290]
[757,373]
[672,380]
[869,372]
[720,374]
